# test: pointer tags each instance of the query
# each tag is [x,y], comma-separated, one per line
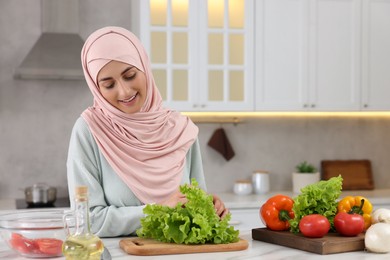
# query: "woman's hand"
[177,197]
[219,207]
[174,199]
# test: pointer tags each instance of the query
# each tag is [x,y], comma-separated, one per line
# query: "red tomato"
[49,246]
[314,225]
[22,244]
[349,224]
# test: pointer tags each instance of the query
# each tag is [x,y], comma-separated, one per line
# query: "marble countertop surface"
[256,250]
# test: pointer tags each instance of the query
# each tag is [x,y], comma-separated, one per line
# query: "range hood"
[56,54]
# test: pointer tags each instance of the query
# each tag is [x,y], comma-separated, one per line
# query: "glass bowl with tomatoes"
[34,233]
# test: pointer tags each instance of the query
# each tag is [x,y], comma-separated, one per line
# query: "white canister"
[260,181]
[242,187]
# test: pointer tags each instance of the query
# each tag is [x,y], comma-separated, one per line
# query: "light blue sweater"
[114,209]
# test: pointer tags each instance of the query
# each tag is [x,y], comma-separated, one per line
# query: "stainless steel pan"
[41,194]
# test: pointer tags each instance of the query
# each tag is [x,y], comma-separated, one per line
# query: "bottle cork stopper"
[81,191]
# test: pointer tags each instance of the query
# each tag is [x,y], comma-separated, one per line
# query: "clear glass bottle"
[82,244]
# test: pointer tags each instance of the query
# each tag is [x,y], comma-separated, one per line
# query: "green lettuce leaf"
[196,222]
[318,198]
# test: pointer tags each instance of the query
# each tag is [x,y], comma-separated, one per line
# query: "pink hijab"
[146,149]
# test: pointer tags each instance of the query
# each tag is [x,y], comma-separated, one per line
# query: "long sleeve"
[115,210]
[194,166]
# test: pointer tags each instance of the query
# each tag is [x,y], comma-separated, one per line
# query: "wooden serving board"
[329,244]
[357,174]
[145,247]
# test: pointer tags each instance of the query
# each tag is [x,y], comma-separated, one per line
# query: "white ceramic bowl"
[33,233]
[242,187]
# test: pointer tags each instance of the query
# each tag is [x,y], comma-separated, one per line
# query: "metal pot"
[41,194]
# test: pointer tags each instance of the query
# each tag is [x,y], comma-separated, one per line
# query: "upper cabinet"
[376,55]
[335,55]
[268,55]
[282,79]
[201,52]
[308,55]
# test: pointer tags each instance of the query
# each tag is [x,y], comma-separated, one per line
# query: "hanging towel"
[221,144]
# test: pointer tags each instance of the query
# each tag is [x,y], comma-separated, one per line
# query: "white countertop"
[256,250]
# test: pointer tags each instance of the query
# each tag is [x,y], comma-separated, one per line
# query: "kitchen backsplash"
[36,118]
[277,144]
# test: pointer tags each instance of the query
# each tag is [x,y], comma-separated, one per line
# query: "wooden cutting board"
[329,244]
[357,174]
[145,247]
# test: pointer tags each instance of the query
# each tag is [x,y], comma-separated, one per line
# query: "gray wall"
[36,118]
[277,144]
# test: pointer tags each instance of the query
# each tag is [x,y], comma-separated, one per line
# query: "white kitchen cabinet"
[376,55]
[201,51]
[335,54]
[281,54]
[307,55]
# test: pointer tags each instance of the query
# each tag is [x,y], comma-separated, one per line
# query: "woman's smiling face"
[123,86]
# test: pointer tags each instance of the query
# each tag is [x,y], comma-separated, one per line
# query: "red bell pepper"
[276,212]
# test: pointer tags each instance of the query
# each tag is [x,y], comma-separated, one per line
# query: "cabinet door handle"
[365,105]
[313,105]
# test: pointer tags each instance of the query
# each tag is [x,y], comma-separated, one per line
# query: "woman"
[127,148]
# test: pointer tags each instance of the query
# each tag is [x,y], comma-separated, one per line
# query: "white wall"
[36,118]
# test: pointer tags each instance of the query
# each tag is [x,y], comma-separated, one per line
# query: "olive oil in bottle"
[82,244]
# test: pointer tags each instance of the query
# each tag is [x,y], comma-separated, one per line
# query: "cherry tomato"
[349,224]
[314,225]
[49,246]
[22,244]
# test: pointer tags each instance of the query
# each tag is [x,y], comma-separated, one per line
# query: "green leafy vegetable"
[305,167]
[196,222]
[318,198]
